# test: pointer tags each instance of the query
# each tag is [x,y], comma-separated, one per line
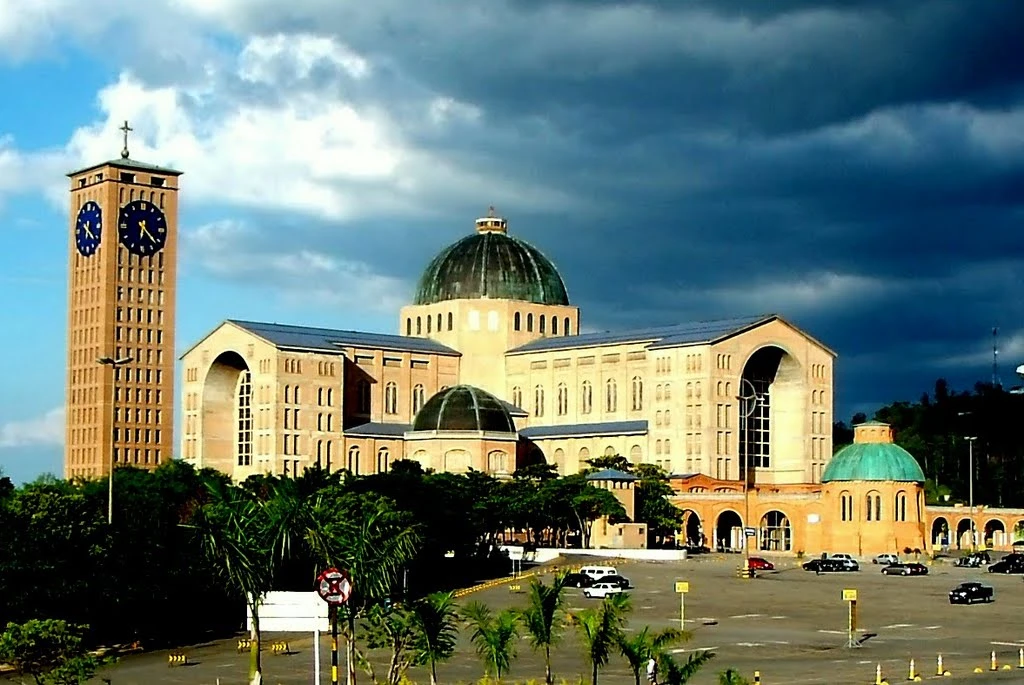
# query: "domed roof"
[873,456]
[494,265]
[464,408]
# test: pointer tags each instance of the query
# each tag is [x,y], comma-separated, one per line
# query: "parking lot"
[788,624]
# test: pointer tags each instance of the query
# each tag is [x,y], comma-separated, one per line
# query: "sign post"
[850,597]
[335,588]
[682,587]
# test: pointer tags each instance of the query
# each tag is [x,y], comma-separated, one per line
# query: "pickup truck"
[969,593]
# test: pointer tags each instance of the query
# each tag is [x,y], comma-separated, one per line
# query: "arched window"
[419,325]
[330,445]
[638,393]
[518,319]
[529,323]
[353,460]
[668,417]
[586,397]
[243,408]
[565,327]
[846,506]
[611,399]
[668,391]
[517,396]
[696,389]
[391,398]
[451,321]
[658,392]
[320,397]
[873,506]
[657,447]
[418,396]
[554,325]
[408,326]
[900,510]
[563,399]
[542,317]
[383,460]
[538,401]
[439,322]
[330,397]
[363,397]
[319,454]
[668,446]
[430,324]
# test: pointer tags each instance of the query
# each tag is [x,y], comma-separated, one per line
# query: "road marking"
[749,644]
[931,627]
[833,632]
[779,642]
[778,618]
[747,616]
[697,649]
[1008,644]
[898,625]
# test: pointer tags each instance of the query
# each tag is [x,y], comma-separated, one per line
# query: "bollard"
[993,666]
[878,674]
[940,671]
[911,675]
[1021,663]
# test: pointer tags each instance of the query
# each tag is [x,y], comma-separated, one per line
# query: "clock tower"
[123,245]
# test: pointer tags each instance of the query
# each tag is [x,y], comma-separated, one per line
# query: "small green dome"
[464,408]
[873,461]
[494,265]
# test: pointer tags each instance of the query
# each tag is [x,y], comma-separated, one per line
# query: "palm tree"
[601,628]
[231,528]
[494,636]
[539,618]
[434,619]
[731,677]
[646,645]
[674,673]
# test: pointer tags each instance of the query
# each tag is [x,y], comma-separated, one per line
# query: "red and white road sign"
[334,586]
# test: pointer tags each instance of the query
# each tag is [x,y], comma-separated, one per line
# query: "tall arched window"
[611,399]
[563,399]
[658,392]
[668,391]
[586,397]
[542,317]
[451,321]
[353,460]
[320,397]
[330,450]
[565,327]
[900,510]
[846,506]
[518,321]
[554,325]
[430,324]
[638,393]
[363,397]
[391,398]
[538,401]
[383,460]
[418,396]
[408,326]
[529,323]
[517,396]
[330,397]
[243,406]
[419,325]
[439,322]
[873,506]
[319,454]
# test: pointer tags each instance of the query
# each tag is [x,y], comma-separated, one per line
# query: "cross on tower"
[126,128]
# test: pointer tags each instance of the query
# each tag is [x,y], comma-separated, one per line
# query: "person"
[652,671]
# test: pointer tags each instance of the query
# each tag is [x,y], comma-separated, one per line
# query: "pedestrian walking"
[652,671]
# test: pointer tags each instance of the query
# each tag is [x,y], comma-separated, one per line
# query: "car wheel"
[587,595]
[906,573]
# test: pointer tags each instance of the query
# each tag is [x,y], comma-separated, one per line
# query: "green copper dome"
[873,461]
[494,265]
[464,408]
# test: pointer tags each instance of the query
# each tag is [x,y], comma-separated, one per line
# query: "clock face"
[88,229]
[142,228]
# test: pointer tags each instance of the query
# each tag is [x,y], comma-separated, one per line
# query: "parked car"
[601,590]
[969,593]
[974,560]
[828,566]
[621,581]
[909,569]
[886,559]
[761,564]
[599,572]
[578,580]
[850,562]
[1008,565]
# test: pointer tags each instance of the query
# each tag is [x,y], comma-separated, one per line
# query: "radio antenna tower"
[995,358]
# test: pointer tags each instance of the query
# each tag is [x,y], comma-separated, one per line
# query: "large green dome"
[491,264]
[464,408]
[873,461]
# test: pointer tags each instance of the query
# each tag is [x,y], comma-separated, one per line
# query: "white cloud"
[271,59]
[226,249]
[47,429]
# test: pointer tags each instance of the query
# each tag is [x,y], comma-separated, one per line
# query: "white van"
[599,572]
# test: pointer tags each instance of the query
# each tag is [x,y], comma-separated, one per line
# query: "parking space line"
[695,649]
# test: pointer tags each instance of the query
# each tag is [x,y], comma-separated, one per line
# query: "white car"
[602,590]
[886,559]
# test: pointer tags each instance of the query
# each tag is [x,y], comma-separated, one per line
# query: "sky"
[855,166]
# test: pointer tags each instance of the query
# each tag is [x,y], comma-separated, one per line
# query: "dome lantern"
[491,223]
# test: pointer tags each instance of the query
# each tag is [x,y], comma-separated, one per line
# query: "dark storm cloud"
[855,166]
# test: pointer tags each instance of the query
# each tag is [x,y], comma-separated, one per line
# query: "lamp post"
[114,363]
[970,487]
[747,409]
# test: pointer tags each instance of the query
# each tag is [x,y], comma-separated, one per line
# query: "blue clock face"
[142,228]
[88,229]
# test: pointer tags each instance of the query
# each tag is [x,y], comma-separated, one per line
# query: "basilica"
[489,370]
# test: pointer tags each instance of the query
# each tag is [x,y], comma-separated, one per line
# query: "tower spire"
[126,129]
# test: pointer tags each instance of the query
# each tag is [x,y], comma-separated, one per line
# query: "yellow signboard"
[849,595]
[682,586]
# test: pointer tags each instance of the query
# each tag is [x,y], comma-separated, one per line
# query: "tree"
[601,629]
[652,503]
[646,645]
[731,677]
[48,651]
[540,618]
[435,620]
[614,461]
[494,635]
[391,628]
[675,673]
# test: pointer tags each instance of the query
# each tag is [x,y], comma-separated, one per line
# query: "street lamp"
[970,486]
[114,363]
[747,409]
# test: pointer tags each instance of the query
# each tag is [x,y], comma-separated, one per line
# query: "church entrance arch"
[729,532]
[776,533]
[772,428]
[963,534]
[940,532]
[693,529]
[995,533]
[227,414]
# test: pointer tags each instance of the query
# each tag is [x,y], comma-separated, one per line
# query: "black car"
[909,569]
[828,566]
[969,593]
[621,581]
[578,580]
[1007,566]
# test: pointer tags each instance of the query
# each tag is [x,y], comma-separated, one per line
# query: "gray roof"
[695,333]
[332,340]
[513,410]
[612,474]
[585,429]
[130,164]
[378,430]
